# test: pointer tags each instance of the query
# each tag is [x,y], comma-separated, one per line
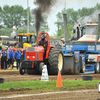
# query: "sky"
[75,4]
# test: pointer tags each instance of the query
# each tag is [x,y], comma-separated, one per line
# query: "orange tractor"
[35,59]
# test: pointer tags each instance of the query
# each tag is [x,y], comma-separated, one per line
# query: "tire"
[32,71]
[56,61]
[87,77]
[21,70]
[97,68]
[83,67]
[21,58]
[41,67]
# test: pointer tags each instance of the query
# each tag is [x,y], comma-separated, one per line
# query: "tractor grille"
[27,64]
[30,49]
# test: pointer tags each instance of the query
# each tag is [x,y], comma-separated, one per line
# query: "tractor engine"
[35,53]
[34,59]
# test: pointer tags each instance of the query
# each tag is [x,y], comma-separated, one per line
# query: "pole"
[66,35]
[98,31]
[27,16]
[65,4]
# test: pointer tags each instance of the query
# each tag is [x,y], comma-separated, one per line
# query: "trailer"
[86,50]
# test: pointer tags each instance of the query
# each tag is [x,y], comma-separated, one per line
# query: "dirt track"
[68,95]
[15,76]
[10,76]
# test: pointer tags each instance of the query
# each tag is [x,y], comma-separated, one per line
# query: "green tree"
[31,18]
[22,30]
[6,31]
[85,11]
[0,14]
[72,17]
[14,15]
[59,21]
[32,31]
[97,6]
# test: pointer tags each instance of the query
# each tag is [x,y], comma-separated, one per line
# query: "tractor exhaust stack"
[98,31]
[66,35]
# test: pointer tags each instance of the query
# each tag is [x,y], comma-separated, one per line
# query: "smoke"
[43,7]
[90,18]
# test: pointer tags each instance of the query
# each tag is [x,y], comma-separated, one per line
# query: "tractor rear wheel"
[41,65]
[56,61]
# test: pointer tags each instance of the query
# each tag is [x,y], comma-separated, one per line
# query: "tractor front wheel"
[21,70]
[32,71]
[83,67]
[41,67]
[56,61]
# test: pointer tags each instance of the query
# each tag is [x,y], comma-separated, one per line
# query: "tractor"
[54,59]
[26,40]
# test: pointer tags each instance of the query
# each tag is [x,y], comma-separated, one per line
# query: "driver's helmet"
[42,36]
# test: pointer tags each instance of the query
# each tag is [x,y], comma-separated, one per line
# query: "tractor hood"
[39,49]
[35,49]
[34,53]
[88,38]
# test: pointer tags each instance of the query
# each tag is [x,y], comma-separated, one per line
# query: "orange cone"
[59,80]
[0,64]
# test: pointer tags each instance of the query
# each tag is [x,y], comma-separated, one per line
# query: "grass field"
[49,85]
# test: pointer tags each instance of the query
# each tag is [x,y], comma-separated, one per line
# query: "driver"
[43,42]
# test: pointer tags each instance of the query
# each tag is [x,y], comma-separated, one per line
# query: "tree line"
[16,15]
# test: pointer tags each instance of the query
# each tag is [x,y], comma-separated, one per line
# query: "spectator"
[18,55]
[10,57]
[0,52]
[1,57]
[21,50]
[2,48]
[13,49]
[24,53]
[4,56]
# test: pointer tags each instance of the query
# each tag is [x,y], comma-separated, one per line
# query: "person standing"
[1,57]
[24,53]
[4,56]
[18,55]
[10,57]
[13,49]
